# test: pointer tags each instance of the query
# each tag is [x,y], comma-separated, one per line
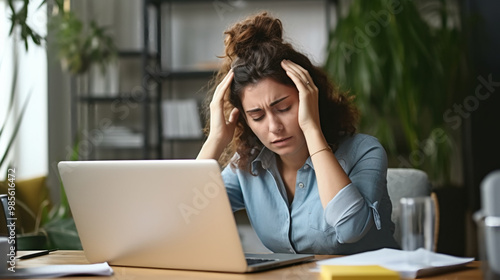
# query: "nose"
[275,124]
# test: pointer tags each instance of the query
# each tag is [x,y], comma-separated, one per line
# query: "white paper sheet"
[409,264]
[53,271]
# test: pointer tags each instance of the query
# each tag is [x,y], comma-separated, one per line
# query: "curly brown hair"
[254,49]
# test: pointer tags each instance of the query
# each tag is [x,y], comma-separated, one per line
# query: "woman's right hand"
[221,130]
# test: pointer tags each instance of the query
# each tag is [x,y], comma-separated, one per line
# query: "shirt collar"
[267,158]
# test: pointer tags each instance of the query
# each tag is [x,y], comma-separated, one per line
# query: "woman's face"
[271,111]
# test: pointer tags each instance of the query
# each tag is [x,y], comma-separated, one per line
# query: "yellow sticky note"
[357,272]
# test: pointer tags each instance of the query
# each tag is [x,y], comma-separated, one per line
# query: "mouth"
[281,140]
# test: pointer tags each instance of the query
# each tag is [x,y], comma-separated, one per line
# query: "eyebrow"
[272,104]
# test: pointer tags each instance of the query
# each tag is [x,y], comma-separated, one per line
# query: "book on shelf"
[121,136]
[181,119]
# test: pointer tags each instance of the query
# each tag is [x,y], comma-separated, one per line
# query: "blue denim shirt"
[357,219]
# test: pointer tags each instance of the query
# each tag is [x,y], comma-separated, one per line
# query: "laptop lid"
[156,213]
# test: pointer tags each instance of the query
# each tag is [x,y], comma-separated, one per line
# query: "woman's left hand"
[308,95]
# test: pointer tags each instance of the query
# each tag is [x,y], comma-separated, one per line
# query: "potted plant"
[80,46]
[405,63]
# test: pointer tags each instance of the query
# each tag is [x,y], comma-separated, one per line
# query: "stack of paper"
[53,271]
[409,264]
[181,119]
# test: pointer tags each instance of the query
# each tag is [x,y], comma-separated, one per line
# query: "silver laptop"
[159,213]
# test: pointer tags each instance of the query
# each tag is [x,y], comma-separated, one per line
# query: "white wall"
[197,29]
[29,155]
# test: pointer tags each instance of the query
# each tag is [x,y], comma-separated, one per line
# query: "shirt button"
[301,185]
[306,167]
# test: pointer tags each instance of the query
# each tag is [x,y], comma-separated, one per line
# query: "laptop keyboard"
[252,261]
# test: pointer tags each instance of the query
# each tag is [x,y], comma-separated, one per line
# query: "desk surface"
[301,271]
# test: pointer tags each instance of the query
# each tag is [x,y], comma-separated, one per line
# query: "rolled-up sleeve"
[354,210]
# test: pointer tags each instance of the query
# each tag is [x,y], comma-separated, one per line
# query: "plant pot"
[32,241]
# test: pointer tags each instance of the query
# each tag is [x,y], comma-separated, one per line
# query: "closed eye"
[285,109]
[259,118]
[256,119]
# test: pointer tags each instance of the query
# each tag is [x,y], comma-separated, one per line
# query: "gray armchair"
[409,182]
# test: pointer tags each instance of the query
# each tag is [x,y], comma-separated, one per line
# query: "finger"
[223,85]
[301,86]
[233,116]
[222,89]
[302,73]
[297,80]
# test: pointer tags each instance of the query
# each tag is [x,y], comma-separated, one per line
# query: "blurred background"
[124,79]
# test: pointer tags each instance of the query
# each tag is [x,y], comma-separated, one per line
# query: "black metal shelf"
[183,74]
[183,139]
[135,54]
[111,99]
[130,53]
[119,147]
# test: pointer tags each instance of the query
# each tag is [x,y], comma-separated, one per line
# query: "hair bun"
[249,34]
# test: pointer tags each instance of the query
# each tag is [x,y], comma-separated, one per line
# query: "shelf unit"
[164,77]
[157,76]
[88,128]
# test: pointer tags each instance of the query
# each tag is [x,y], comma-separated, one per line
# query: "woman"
[308,183]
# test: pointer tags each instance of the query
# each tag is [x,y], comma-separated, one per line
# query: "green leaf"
[405,78]
[20,18]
